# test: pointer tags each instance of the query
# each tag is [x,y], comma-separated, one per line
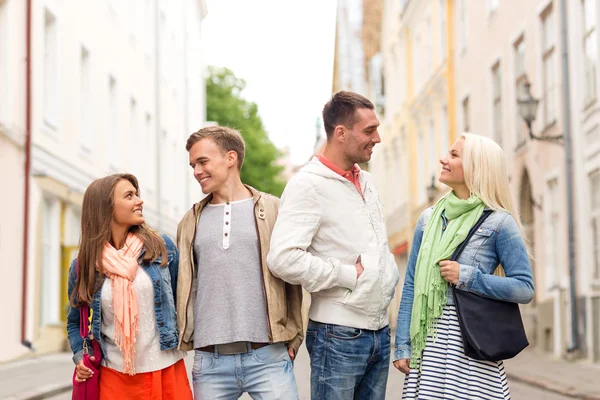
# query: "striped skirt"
[448,374]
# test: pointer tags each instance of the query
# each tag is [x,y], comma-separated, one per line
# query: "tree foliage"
[225,106]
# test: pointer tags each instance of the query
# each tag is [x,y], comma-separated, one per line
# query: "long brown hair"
[96,219]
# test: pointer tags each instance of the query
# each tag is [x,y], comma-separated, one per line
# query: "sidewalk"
[577,379]
[36,378]
[45,376]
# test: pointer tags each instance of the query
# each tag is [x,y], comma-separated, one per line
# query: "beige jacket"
[284,301]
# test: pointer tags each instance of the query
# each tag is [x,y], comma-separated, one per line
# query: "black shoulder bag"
[492,330]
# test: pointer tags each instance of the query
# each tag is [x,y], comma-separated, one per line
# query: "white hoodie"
[323,225]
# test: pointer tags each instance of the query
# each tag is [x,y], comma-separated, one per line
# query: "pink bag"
[90,389]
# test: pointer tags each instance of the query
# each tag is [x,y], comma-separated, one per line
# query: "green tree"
[225,106]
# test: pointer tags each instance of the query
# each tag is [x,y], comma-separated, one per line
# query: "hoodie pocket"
[367,291]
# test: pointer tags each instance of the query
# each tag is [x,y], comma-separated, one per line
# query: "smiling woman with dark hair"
[127,274]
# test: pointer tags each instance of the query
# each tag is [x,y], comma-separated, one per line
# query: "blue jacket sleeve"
[402,348]
[517,286]
[173,263]
[73,318]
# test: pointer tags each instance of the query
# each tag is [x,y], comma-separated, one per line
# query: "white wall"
[119,38]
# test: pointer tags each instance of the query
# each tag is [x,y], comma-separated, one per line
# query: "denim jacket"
[164,281]
[497,241]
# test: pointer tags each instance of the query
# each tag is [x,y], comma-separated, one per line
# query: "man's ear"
[232,158]
[340,133]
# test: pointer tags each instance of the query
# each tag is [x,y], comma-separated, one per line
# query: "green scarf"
[437,245]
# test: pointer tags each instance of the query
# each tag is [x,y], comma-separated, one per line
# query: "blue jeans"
[347,363]
[265,374]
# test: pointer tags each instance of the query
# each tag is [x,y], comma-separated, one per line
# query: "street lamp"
[527,106]
[431,190]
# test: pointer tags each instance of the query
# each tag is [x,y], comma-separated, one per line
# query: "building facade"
[417,116]
[115,87]
[499,48]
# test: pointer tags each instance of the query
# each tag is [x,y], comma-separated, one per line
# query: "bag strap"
[84,311]
[463,245]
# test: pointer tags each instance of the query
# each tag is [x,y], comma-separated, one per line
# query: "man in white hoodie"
[330,237]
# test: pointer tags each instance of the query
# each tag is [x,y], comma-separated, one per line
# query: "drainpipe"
[24,341]
[157,111]
[186,117]
[569,175]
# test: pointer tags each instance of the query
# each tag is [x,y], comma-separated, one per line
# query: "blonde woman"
[429,347]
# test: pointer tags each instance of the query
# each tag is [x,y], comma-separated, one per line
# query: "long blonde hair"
[484,166]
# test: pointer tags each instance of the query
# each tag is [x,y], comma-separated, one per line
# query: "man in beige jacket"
[244,323]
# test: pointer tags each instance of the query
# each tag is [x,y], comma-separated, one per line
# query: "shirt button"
[227,213]
[157,282]
[226,234]
[158,304]
[261,210]
[162,324]
[227,223]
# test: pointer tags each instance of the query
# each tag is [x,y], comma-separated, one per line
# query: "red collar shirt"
[352,175]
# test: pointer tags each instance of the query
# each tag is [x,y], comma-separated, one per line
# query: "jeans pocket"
[343,332]
[272,353]
[202,363]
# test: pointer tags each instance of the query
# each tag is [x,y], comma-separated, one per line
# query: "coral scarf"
[121,267]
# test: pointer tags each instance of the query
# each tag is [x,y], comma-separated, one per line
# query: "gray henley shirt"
[230,301]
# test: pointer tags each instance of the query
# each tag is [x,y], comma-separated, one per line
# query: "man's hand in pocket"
[359,267]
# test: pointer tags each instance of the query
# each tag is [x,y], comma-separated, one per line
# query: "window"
[134,138]
[113,147]
[148,36]
[520,78]
[50,70]
[85,101]
[428,47]
[433,159]
[497,102]
[553,223]
[464,20]
[590,55]
[397,178]
[466,115]
[50,298]
[388,158]
[443,29]
[444,132]
[418,72]
[149,173]
[421,181]
[3,60]
[594,180]
[548,66]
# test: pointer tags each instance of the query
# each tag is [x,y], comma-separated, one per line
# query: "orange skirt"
[168,383]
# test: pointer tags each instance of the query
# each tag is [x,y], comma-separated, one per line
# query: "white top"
[323,225]
[148,356]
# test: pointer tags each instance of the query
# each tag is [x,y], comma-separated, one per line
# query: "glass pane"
[589,13]
[595,191]
[596,246]
[548,31]
[520,58]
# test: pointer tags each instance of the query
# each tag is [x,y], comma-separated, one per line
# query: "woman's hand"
[82,372]
[403,365]
[450,271]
